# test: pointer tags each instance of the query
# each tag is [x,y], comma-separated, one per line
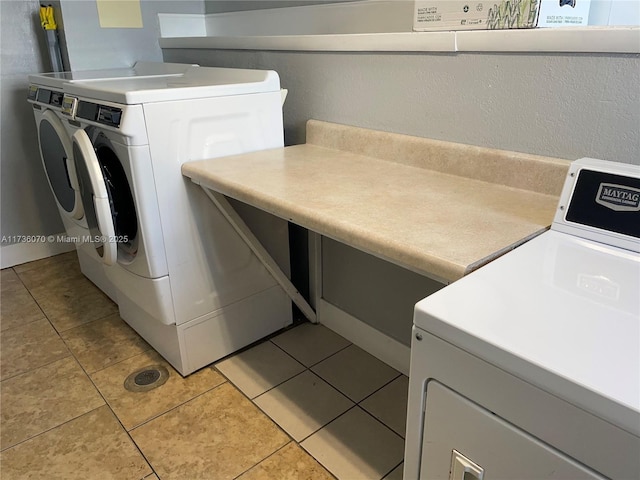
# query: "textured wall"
[27,204]
[566,106]
[90,47]
[220,6]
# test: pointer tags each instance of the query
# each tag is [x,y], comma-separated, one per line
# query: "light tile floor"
[304,404]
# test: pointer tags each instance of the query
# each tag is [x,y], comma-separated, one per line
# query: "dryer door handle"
[101,203]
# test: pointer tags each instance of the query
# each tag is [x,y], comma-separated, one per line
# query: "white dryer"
[529,367]
[46,94]
[184,279]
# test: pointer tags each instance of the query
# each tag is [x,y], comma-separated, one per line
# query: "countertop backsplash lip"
[544,174]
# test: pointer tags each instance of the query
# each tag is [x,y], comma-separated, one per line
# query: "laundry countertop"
[415,206]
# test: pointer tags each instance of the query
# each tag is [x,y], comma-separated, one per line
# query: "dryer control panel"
[96,112]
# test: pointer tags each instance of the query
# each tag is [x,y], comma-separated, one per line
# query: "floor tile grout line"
[265,458]
[70,354]
[370,415]
[329,423]
[209,390]
[33,298]
[317,429]
[91,321]
[255,405]
[150,349]
[85,370]
[381,422]
[366,412]
[369,396]
[271,387]
[326,469]
[172,408]
[281,448]
[255,465]
[82,275]
[291,439]
[45,258]
[270,340]
[284,351]
[319,361]
[137,447]
[357,402]
[110,365]
[380,388]
[44,315]
[306,368]
[53,428]
[386,474]
[80,324]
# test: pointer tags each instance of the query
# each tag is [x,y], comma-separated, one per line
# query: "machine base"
[199,342]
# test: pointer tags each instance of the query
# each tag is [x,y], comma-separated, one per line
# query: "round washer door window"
[55,150]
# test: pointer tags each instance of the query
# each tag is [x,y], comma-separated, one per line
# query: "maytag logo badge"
[620,198]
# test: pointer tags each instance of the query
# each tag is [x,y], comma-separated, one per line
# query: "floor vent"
[146,378]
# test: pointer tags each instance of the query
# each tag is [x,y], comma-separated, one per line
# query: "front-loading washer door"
[56,153]
[95,198]
[121,202]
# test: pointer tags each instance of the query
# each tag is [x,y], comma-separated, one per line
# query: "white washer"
[530,366]
[184,279]
[46,94]
[54,140]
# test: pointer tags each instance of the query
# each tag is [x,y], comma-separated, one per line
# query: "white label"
[564,13]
